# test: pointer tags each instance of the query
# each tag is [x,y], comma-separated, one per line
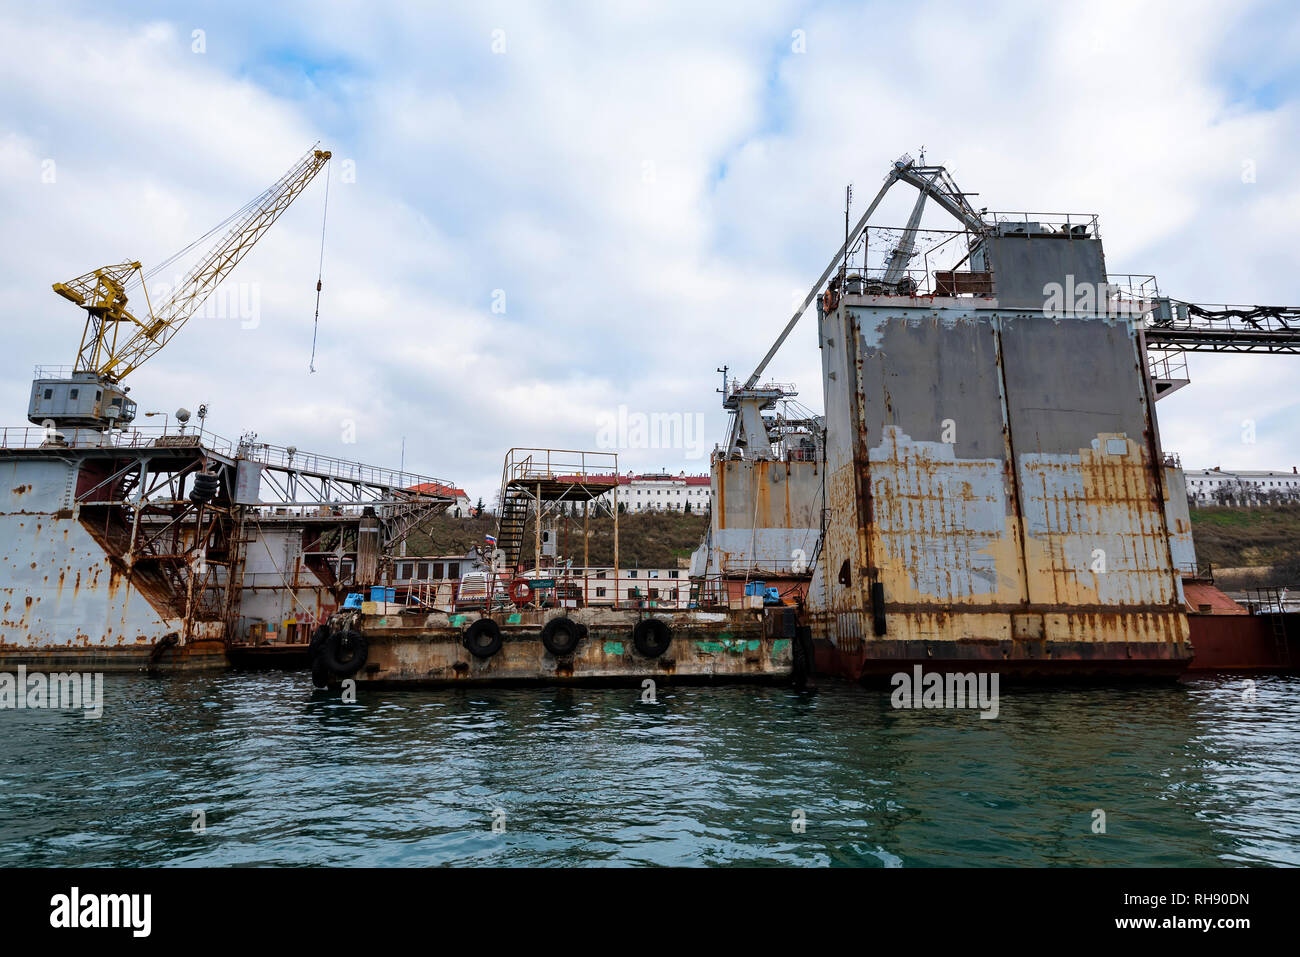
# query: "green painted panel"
[613,647]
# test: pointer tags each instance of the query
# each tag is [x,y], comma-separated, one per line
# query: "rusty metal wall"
[277,587]
[994,472]
[1178,515]
[58,587]
[1021,264]
[766,514]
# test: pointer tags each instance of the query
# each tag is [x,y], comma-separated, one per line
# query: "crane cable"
[320,272]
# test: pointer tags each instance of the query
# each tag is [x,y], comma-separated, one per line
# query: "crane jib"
[115,341]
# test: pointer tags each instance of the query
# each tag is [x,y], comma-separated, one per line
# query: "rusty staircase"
[510,528]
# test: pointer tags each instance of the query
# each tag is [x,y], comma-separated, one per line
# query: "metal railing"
[1136,287]
[595,586]
[54,372]
[271,456]
[38,437]
[787,388]
[290,459]
[1200,570]
[1167,365]
[1057,222]
[1177,314]
[1271,600]
[562,465]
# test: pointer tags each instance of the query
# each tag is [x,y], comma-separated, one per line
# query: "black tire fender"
[561,636]
[320,673]
[318,639]
[345,652]
[651,637]
[483,638]
[803,656]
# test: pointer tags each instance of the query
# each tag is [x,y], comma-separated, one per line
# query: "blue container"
[379,593]
[755,589]
[353,600]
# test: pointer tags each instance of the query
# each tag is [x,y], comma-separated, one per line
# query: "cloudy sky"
[640,189]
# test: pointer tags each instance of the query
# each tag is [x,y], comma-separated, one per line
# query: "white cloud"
[646,183]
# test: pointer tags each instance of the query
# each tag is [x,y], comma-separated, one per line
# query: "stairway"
[510,529]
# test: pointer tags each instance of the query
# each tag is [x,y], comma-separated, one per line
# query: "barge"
[588,646]
[546,620]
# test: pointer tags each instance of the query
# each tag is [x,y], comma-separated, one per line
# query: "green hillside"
[1250,537]
[1264,537]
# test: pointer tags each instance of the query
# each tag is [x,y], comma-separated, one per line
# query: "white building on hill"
[1219,486]
[661,492]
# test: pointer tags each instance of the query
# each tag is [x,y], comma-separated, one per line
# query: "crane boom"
[157,331]
[115,341]
[932,181]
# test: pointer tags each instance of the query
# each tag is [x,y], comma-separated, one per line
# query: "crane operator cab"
[82,400]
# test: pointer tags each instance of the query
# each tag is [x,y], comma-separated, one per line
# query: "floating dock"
[113,557]
[588,646]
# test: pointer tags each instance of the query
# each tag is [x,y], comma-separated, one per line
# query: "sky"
[547,221]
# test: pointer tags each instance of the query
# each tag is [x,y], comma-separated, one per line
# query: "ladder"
[510,528]
[1271,599]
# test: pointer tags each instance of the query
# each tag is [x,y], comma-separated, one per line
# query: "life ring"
[483,638]
[520,591]
[561,636]
[345,652]
[651,637]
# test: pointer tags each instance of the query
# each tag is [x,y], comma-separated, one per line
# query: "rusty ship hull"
[69,601]
[1032,537]
[112,560]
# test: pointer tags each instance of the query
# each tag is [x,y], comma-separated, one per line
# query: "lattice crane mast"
[117,341]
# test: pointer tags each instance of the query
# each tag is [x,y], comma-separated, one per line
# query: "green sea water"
[260,769]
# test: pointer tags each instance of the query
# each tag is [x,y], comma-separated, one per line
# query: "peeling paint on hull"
[64,601]
[996,495]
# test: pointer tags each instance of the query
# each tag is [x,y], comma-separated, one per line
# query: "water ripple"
[1186,775]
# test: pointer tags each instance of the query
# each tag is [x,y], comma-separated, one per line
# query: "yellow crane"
[116,341]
